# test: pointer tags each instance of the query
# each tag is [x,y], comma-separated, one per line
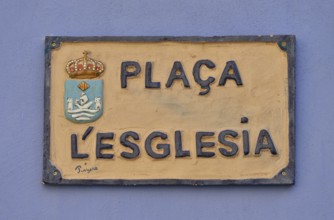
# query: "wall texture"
[24,24]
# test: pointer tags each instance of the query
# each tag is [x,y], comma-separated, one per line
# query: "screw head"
[53,44]
[284,173]
[55,173]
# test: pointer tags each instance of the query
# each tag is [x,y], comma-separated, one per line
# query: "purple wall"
[24,24]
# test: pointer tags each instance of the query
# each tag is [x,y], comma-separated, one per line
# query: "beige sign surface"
[159,110]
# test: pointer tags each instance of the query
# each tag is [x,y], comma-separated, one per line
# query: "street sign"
[169,110]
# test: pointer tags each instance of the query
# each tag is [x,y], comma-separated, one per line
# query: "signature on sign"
[80,169]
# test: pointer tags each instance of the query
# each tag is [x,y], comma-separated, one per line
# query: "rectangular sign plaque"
[169,110]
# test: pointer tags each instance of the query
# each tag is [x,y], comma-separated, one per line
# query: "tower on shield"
[83,99]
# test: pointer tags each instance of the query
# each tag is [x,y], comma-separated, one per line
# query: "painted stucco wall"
[24,24]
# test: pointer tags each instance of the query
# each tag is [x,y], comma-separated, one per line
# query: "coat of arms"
[83,94]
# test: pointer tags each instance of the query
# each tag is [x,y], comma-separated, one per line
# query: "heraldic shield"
[83,99]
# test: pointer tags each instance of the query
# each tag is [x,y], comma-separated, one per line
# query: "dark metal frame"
[51,175]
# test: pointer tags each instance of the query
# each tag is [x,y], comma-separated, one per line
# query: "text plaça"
[227,147]
[230,72]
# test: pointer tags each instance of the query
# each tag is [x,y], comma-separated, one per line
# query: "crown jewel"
[84,67]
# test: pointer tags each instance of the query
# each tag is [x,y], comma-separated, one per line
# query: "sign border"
[286,176]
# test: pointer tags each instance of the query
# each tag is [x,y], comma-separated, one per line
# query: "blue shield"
[83,100]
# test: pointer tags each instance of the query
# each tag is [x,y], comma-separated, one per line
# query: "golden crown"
[84,68]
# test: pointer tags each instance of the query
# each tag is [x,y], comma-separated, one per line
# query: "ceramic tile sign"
[169,110]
